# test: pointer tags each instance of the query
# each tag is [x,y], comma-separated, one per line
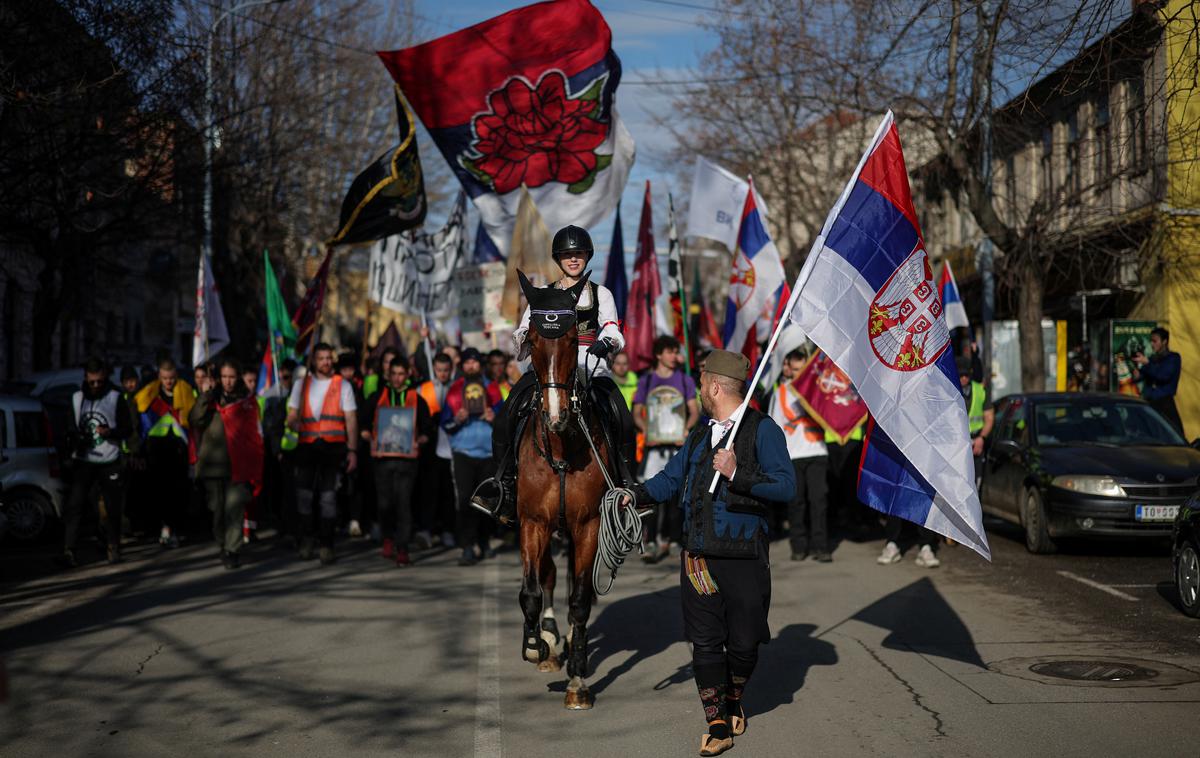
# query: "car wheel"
[26,511]
[1033,516]
[1187,579]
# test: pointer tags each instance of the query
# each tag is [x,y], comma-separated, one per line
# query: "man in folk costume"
[229,456]
[725,573]
[599,339]
[322,410]
[164,405]
[102,424]
[396,476]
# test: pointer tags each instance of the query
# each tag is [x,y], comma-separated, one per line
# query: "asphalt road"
[168,654]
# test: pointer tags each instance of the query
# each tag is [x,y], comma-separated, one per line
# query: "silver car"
[31,490]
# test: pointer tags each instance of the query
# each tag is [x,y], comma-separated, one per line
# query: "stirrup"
[480,503]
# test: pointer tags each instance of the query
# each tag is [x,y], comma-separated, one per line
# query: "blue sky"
[652,38]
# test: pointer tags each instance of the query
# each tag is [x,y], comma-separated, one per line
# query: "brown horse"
[559,487]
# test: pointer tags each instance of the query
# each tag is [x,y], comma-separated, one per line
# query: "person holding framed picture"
[396,423]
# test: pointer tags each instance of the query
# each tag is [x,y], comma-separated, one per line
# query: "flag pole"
[428,345]
[802,280]
[683,315]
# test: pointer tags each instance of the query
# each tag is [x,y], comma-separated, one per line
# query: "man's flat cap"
[725,363]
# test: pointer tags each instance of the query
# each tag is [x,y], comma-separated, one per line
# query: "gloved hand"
[600,348]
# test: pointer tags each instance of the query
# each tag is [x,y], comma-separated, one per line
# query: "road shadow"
[918,618]
[635,629]
[639,627]
[783,666]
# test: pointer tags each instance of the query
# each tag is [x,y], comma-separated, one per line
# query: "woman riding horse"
[599,339]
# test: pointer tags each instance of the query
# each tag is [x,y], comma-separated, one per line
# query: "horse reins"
[620,528]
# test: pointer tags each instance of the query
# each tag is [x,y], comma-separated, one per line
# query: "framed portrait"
[666,416]
[395,432]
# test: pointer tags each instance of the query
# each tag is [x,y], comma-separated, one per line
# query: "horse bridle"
[572,385]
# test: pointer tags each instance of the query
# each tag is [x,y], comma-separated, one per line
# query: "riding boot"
[502,506]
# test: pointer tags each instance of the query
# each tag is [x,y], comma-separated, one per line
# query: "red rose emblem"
[537,135]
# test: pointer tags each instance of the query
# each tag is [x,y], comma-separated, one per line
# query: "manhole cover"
[1103,670]
[1094,671]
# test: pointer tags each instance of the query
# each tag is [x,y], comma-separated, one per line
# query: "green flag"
[282,332]
[279,321]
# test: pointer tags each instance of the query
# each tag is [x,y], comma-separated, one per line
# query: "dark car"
[1085,465]
[1186,556]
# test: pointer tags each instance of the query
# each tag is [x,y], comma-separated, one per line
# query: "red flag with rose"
[526,98]
[829,397]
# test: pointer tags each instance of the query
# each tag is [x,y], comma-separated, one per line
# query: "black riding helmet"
[570,239]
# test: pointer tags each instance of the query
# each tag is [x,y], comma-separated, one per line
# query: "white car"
[31,490]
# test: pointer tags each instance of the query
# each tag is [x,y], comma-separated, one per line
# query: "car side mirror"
[1007,447]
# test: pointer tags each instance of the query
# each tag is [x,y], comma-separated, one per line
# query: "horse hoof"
[579,700]
[550,665]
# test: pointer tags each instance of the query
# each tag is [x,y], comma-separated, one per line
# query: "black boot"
[502,505]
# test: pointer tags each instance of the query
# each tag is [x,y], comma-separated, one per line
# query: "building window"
[1072,180]
[1135,123]
[1103,140]
[1047,163]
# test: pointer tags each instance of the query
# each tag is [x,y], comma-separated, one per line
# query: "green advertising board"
[1126,339]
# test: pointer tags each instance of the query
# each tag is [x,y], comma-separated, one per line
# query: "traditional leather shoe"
[737,725]
[710,745]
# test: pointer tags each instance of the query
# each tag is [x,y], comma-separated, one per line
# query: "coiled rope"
[620,527]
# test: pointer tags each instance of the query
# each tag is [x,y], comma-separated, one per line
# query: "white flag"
[211,335]
[715,210]
[413,272]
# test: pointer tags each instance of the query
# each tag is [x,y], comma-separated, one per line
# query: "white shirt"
[721,427]
[805,438]
[606,317]
[317,387]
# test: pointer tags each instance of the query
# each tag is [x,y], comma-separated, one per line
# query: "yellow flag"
[530,252]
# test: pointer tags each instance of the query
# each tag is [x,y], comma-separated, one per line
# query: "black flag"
[389,196]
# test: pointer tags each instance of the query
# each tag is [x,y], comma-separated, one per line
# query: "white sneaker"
[927,558]
[890,554]
[448,540]
[355,528]
[423,539]
[164,536]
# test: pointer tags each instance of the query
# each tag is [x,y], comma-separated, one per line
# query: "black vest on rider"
[587,320]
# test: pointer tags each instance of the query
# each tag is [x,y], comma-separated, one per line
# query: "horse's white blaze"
[554,398]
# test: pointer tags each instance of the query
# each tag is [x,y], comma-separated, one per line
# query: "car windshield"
[1087,422]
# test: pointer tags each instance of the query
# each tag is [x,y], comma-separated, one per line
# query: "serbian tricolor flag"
[755,284]
[867,297]
[956,314]
[526,98]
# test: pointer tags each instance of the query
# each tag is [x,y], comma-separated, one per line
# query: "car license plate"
[1156,512]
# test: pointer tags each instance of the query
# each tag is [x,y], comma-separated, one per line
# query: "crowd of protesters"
[314,458]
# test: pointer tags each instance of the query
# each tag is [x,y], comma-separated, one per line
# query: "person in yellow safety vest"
[435,483]
[378,374]
[980,413]
[322,408]
[626,380]
[280,441]
[497,371]
[164,405]
[396,441]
